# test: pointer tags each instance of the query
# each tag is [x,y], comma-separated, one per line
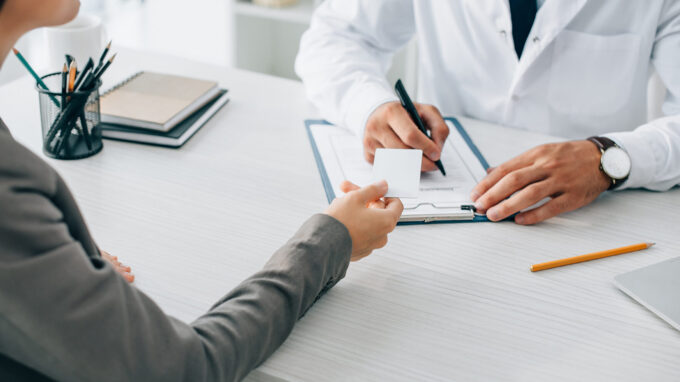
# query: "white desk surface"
[440,302]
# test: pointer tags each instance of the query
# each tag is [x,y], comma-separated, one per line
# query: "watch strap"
[603,143]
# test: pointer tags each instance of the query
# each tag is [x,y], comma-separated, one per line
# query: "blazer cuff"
[335,243]
[319,254]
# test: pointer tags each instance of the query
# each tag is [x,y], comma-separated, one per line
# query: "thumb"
[347,186]
[372,192]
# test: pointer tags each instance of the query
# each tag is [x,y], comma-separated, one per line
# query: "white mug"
[82,38]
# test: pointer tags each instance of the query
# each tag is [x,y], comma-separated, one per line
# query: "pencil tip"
[15,50]
[112,57]
[109,44]
[650,244]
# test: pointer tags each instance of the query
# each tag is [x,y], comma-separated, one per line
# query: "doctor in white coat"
[570,68]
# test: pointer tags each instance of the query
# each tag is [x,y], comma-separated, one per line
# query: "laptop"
[657,288]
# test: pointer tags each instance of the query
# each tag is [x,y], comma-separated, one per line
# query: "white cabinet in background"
[266,40]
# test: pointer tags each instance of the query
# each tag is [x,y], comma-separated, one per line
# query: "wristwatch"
[615,161]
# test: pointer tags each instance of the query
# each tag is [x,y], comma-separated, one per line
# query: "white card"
[401,169]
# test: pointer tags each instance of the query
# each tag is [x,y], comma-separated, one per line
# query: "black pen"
[103,56]
[64,74]
[102,70]
[83,74]
[411,109]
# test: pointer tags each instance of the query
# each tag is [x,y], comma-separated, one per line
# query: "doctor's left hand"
[568,173]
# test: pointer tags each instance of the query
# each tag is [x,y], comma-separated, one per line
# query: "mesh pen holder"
[70,122]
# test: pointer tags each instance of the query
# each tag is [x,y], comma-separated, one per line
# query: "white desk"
[440,302]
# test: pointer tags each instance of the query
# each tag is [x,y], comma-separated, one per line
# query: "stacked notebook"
[159,109]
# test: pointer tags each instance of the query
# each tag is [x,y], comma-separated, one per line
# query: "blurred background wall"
[226,32]
[223,32]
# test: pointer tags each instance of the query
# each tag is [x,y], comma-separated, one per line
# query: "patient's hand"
[367,215]
[121,268]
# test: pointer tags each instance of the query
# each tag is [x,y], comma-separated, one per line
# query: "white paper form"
[343,159]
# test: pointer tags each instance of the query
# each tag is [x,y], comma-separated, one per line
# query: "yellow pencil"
[72,76]
[590,256]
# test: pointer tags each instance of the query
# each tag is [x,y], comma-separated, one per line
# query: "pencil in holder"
[70,121]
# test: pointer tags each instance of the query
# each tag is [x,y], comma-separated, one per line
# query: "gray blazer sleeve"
[67,314]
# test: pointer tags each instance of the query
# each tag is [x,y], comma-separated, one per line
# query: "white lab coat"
[583,72]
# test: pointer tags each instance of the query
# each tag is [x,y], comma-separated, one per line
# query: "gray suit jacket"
[67,315]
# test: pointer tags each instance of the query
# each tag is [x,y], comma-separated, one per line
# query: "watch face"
[616,163]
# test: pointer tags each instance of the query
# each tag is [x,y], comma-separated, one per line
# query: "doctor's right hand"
[367,215]
[390,126]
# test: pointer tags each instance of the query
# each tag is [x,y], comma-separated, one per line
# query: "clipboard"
[422,213]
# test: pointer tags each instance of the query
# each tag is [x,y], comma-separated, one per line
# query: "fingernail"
[519,219]
[474,195]
[479,206]
[434,155]
[382,185]
[492,214]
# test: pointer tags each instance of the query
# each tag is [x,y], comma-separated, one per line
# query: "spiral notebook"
[176,136]
[156,101]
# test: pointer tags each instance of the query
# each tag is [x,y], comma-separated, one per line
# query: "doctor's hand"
[568,173]
[367,215]
[390,126]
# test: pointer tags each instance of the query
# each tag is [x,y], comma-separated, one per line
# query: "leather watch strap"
[603,143]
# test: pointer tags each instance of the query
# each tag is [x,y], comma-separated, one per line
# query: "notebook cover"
[176,134]
[152,100]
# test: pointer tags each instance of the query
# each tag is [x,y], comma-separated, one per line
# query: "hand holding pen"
[391,126]
[413,113]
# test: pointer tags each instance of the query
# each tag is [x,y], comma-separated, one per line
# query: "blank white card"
[401,169]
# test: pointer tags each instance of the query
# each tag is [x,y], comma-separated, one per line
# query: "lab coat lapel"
[551,19]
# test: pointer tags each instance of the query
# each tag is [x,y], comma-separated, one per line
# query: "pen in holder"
[70,121]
